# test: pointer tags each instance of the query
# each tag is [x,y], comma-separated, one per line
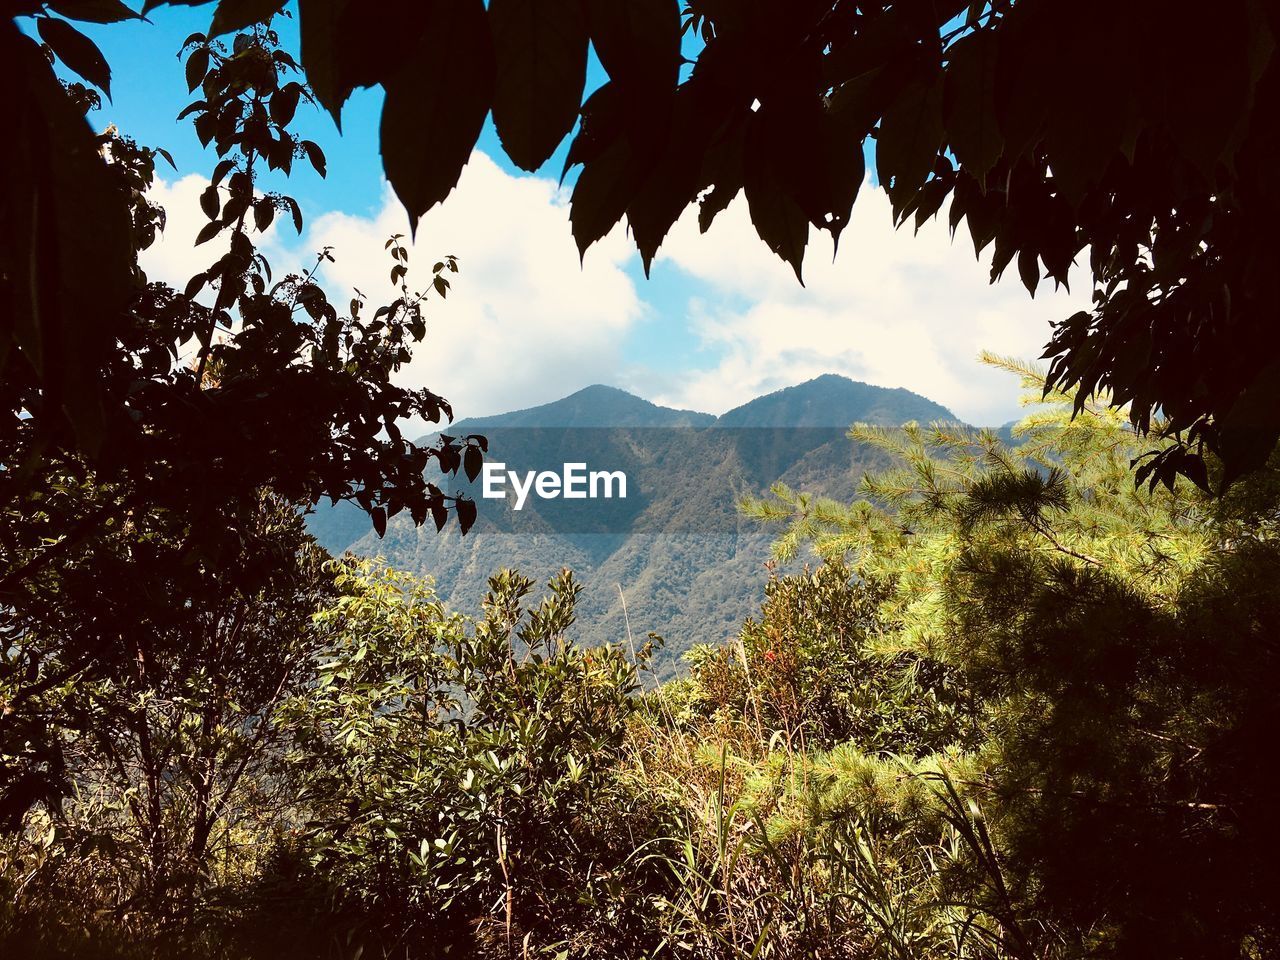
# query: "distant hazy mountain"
[834,401]
[690,568]
[595,406]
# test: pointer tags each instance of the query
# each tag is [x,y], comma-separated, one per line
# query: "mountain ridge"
[827,400]
[690,566]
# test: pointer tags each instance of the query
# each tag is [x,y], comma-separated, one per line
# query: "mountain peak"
[598,405]
[832,400]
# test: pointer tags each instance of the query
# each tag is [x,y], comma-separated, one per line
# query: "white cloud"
[526,324]
[523,324]
[174,257]
[894,309]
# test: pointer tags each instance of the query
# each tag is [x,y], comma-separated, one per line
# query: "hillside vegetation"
[1020,709]
[681,561]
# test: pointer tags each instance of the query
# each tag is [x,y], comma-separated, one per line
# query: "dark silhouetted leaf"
[541,53]
[472,462]
[77,51]
[197,67]
[295,211]
[318,20]
[315,155]
[264,212]
[466,514]
[778,217]
[909,137]
[1029,270]
[208,232]
[232,15]
[210,202]
[969,102]
[93,11]
[67,292]
[601,195]
[436,106]
[285,104]
[638,42]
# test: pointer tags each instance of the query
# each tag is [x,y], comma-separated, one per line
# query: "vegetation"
[1049,128]
[690,565]
[265,395]
[1020,710]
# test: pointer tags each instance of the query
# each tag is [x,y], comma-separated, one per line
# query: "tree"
[1051,127]
[285,392]
[161,759]
[461,778]
[283,396]
[1116,642]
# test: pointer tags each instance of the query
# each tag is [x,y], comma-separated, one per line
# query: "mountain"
[834,401]
[690,568]
[595,406]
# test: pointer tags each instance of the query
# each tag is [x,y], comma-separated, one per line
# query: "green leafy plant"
[462,777]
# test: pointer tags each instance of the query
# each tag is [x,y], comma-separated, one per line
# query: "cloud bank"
[893,309]
[526,324]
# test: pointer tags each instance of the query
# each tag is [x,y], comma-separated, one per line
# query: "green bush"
[462,778]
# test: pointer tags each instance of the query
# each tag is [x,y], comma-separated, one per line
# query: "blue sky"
[719,321]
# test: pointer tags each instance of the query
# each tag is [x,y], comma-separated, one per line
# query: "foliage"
[1047,135]
[805,674]
[1121,692]
[282,391]
[1021,711]
[267,389]
[143,775]
[461,779]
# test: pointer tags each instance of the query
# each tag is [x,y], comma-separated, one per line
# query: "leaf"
[909,137]
[346,45]
[93,11]
[284,104]
[318,31]
[232,15]
[315,155]
[673,182]
[722,171]
[472,462]
[379,517]
[221,170]
[208,232]
[466,514]
[373,48]
[540,48]
[1029,270]
[264,212]
[834,168]
[210,202]
[295,211]
[77,51]
[1250,428]
[436,106]
[638,42]
[777,216]
[969,102]
[439,515]
[197,67]
[602,194]
[67,293]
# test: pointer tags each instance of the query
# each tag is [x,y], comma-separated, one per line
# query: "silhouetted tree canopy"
[1134,134]
[145,395]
